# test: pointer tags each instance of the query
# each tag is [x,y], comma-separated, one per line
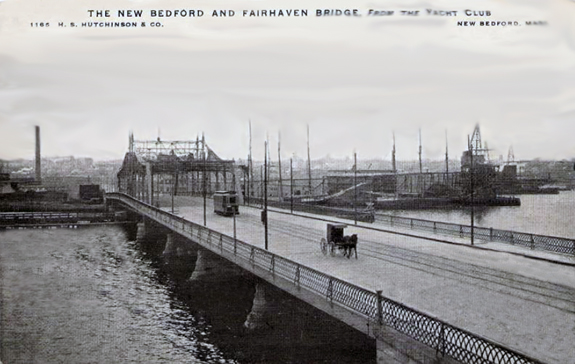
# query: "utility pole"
[262,186]
[173,190]
[309,163]
[204,177]
[247,184]
[281,195]
[446,160]
[234,212]
[472,183]
[394,168]
[291,183]
[355,188]
[38,158]
[266,194]
[250,164]
[196,186]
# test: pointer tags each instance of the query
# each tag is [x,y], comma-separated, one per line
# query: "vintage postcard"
[273,181]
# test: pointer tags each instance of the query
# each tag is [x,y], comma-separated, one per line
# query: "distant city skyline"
[27,152]
[355,82]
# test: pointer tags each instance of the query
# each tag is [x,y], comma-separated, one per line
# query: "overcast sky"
[355,81]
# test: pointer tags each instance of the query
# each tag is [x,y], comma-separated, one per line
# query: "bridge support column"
[263,310]
[147,229]
[151,236]
[141,232]
[177,246]
[210,267]
[170,248]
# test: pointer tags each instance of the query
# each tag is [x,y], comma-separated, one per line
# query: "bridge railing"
[444,338]
[532,241]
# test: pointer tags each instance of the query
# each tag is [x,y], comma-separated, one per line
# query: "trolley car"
[226,203]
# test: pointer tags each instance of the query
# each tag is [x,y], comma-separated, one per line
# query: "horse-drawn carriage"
[336,241]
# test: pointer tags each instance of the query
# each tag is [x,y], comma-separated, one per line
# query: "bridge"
[422,300]
[423,297]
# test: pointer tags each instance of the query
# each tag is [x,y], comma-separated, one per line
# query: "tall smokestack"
[38,168]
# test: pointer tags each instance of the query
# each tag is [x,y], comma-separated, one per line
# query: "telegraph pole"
[204,177]
[355,188]
[446,160]
[472,183]
[291,183]
[266,194]
[173,191]
[308,163]
[262,186]
[234,212]
[247,186]
[394,167]
[281,194]
[250,165]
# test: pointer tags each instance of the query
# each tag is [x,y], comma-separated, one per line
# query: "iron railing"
[532,241]
[445,339]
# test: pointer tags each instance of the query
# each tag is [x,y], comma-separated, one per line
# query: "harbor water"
[538,214]
[96,295]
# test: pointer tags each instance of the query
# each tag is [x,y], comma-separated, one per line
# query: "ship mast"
[446,154]
[393,166]
[308,163]
[281,195]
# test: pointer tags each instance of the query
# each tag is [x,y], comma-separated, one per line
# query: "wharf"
[17,220]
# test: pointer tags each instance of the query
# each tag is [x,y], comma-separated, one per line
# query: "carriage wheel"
[323,246]
[332,248]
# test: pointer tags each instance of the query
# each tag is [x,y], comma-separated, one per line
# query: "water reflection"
[538,214]
[94,295]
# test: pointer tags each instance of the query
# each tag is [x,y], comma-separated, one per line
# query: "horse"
[347,243]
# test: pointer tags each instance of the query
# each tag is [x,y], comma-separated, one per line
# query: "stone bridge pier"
[238,303]
[264,309]
[152,236]
[209,267]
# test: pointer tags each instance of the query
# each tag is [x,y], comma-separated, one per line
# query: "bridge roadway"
[523,304]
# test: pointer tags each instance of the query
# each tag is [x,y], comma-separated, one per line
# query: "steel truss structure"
[159,167]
